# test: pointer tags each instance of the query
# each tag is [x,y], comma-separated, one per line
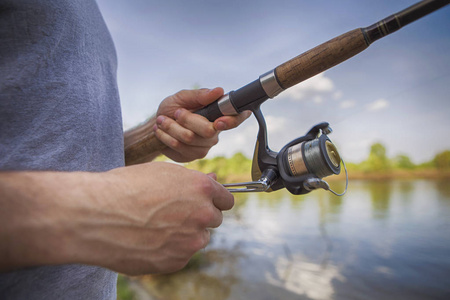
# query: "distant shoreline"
[394,174]
[361,175]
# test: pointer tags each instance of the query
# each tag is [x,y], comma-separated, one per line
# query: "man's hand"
[190,136]
[163,221]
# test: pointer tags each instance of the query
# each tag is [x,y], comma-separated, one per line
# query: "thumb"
[196,99]
[207,96]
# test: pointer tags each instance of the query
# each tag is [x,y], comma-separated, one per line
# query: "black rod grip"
[248,97]
[211,111]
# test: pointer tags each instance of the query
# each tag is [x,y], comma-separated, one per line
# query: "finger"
[230,122]
[187,135]
[196,99]
[225,201]
[222,198]
[179,151]
[196,123]
[206,238]
[217,219]
[181,156]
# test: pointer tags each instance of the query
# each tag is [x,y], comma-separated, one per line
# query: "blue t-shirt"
[59,110]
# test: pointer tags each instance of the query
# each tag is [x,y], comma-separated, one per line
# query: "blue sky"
[396,92]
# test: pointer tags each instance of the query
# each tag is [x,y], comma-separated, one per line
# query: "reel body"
[299,166]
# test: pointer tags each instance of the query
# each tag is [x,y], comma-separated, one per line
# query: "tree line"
[238,167]
[378,161]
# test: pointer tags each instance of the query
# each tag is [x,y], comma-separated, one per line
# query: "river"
[382,240]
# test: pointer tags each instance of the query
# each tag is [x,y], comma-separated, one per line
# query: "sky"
[396,92]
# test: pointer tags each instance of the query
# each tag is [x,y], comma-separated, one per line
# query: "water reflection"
[443,188]
[311,280]
[197,284]
[382,240]
[380,193]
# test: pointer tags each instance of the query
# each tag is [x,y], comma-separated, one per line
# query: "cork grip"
[320,58]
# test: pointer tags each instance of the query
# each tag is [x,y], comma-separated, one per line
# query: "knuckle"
[210,132]
[182,116]
[188,137]
[205,185]
[175,144]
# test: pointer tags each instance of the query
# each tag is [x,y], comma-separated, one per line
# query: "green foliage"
[226,169]
[377,160]
[238,167]
[426,165]
[402,161]
[442,160]
[123,290]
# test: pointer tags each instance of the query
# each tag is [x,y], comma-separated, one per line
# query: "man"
[71,214]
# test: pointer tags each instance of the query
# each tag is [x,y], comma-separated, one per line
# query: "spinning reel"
[299,166]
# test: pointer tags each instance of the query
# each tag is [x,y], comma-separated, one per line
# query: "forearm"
[40,216]
[142,134]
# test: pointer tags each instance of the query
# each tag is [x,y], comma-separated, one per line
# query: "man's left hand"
[187,135]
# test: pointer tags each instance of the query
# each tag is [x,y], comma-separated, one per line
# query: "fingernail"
[221,125]
[155,127]
[160,120]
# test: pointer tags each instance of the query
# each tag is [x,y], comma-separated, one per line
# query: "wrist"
[139,132]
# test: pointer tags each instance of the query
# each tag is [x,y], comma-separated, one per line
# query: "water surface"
[383,240]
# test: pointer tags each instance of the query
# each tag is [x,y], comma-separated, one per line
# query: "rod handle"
[211,111]
[321,58]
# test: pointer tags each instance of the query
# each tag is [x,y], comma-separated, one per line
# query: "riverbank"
[393,174]
[238,169]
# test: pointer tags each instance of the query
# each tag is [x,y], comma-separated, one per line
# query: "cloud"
[377,105]
[347,104]
[275,125]
[337,95]
[315,87]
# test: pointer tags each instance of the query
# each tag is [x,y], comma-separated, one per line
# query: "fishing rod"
[301,164]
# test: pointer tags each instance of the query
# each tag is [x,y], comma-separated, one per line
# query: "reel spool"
[319,157]
[299,166]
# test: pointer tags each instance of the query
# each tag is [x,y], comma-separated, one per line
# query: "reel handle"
[268,178]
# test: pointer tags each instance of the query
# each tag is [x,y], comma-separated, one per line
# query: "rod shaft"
[398,20]
[343,47]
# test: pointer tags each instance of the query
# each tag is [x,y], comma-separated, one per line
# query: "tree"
[402,161]
[377,160]
[442,160]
